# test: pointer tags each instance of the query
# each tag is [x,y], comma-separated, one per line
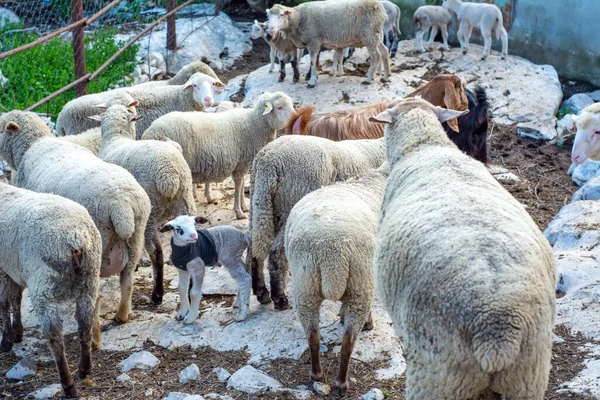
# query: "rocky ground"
[266,354]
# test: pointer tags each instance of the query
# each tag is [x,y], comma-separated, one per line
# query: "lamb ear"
[166,227]
[102,106]
[219,87]
[98,118]
[384,117]
[134,103]
[12,127]
[187,85]
[444,114]
[268,108]
[287,12]
[133,117]
[200,220]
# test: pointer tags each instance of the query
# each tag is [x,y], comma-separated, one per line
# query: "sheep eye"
[179,231]
[597,133]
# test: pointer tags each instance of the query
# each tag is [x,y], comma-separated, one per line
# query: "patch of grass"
[35,73]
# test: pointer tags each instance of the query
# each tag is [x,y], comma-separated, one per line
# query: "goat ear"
[12,127]
[200,220]
[268,108]
[384,117]
[98,118]
[134,103]
[134,117]
[444,114]
[166,227]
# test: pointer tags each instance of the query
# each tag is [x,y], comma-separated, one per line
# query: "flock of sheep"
[394,195]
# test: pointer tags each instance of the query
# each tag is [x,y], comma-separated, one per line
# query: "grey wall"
[563,33]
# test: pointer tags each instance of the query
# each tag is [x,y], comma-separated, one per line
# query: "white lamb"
[391,27]
[330,238]
[486,17]
[461,267]
[587,143]
[220,145]
[194,250]
[51,245]
[281,49]
[434,17]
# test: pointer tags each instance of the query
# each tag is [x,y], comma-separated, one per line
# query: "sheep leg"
[278,273]
[197,269]
[504,38]
[242,277]
[17,323]
[385,59]
[313,51]
[281,69]
[155,252]
[8,335]
[296,70]
[354,320]
[420,45]
[258,278]
[308,310]
[272,55]
[487,44]
[84,313]
[96,329]
[445,37]
[239,201]
[208,194]
[126,281]
[432,35]
[395,41]
[184,301]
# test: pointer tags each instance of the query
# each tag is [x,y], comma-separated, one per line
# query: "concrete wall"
[563,33]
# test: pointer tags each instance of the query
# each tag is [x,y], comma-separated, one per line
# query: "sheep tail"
[333,280]
[123,220]
[262,214]
[499,25]
[417,24]
[167,181]
[498,345]
[299,122]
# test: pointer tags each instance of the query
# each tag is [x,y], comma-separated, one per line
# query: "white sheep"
[221,106]
[160,169]
[312,24]
[281,49]
[224,144]
[330,238]
[486,17]
[391,27]
[461,267]
[184,74]
[284,172]
[198,92]
[434,17]
[50,245]
[194,250]
[118,205]
[587,144]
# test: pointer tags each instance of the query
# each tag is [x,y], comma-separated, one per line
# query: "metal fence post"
[79,46]
[171,27]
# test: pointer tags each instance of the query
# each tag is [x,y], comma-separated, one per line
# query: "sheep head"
[278,18]
[18,130]
[403,106]
[204,88]
[587,139]
[184,229]
[258,30]
[118,119]
[276,108]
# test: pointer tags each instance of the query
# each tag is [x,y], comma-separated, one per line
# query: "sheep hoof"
[180,315]
[503,57]
[70,391]
[281,78]
[122,317]
[316,377]
[393,55]
[340,389]
[310,85]
[464,52]
[240,215]
[239,317]
[368,326]
[157,298]
[281,304]
[263,297]
[366,82]
[95,345]
[6,345]
[483,58]
[189,319]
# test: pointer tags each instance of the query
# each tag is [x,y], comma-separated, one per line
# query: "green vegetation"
[35,73]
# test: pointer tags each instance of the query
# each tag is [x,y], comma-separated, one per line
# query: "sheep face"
[278,19]
[277,108]
[257,30]
[184,229]
[204,88]
[587,139]
[119,119]
[18,129]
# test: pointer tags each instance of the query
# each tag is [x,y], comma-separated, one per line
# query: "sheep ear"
[98,118]
[166,227]
[200,220]
[444,114]
[219,87]
[575,118]
[256,22]
[12,127]
[384,117]
[134,103]
[133,117]
[268,108]
[287,12]
[162,139]
[102,106]
[187,85]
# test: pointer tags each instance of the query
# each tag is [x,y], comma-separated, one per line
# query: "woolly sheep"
[391,27]
[281,48]
[311,24]
[221,106]
[586,144]
[89,139]
[434,17]
[223,245]
[282,174]
[330,237]
[461,267]
[483,16]
[51,245]
[116,202]
[155,102]
[184,74]
[224,144]
[159,168]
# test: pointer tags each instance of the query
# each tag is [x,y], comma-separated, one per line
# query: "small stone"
[217,396]
[139,360]
[594,95]
[322,389]
[541,129]
[576,103]
[250,380]
[24,369]
[302,387]
[222,374]
[123,377]
[373,394]
[149,392]
[48,392]
[353,380]
[557,339]
[189,373]
[323,348]
[182,396]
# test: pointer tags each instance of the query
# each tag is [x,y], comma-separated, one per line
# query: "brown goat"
[444,91]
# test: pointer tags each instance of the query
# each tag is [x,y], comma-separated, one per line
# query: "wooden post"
[171,27]
[79,46]
[216,7]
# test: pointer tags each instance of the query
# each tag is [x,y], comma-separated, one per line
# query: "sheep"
[284,172]
[155,102]
[586,143]
[281,48]
[51,245]
[221,106]
[116,202]
[483,16]
[193,251]
[309,25]
[444,90]
[330,237]
[89,139]
[461,267]
[224,144]
[434,17]
[159,168]
[184,74]
[391,27]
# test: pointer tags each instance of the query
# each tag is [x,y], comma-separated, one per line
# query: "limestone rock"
[540,129]
[222,374]
[595,95]
[575,227]
[24,369]
[250,380]
[123,378]
[565,128]
[322,389]
[189,373]
[48,392]
[139,360]
[182,396]
[582,173]
[373,394]
[589,191]
[576,103]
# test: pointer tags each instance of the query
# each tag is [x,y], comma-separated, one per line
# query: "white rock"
[189,373]
[584,172]
[6,16]
[577,102]
[565,127]
[250,380]
[48,392]
[507,176]
[587,382]
[589,191]
[24,369]
[575,227]
[557,339]
[137,71]
[217,396]
[540,129]
[123,377]
[323,348]
[157,60]
[594,95]
[222,374]
[149,392]
[322,389]
[182,396]
[298,394]
[373,394]
[139,360]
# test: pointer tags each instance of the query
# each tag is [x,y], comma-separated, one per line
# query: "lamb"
[193,251]
[51,245]
[219,145]
[391,27]
[281,48]
[461,267]
[330,237]
[586,144]
[282,174]
[116,202]
[483,16]
[434,17]
[155,102]
[311,24]
[159,168]
[184,75]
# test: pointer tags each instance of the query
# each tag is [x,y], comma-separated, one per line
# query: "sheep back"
[89,139]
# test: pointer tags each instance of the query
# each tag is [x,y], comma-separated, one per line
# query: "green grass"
[35,73]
